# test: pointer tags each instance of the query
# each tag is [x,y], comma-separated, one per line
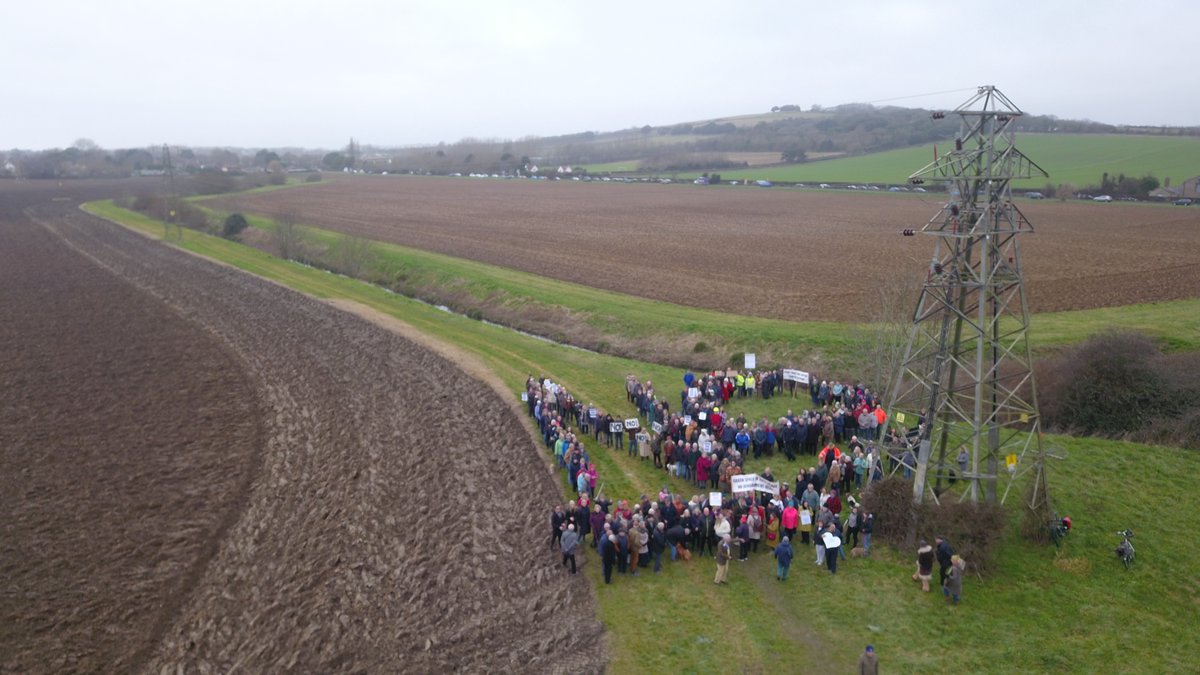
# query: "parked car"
[919,189]
[1102,198]
[763,183]
[1182,202]
[823,185]
[700,181]
[1035,195]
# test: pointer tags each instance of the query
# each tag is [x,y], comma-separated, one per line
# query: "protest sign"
[805,518]
[524,397]
[643,437]
[795,375]
[687,419]
[706,446]
[752,481]
[701,416]
[693,392]
[632,423]
[750,361]
[593,413]
[656,427]
[614,427]
[714,500]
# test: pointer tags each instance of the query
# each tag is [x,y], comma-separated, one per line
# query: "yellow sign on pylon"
[900,417]
[1011,461]
[1024,418]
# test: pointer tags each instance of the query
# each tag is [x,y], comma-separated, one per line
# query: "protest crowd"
[730,515]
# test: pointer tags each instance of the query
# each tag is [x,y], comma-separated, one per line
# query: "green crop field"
[1076,610]
[1074,159]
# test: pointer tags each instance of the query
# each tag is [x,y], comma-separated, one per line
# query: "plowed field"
[778,252]
[200,470]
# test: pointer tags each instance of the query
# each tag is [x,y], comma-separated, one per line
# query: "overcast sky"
[276,73]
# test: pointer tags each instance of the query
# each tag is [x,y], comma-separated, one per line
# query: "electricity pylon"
[966,380]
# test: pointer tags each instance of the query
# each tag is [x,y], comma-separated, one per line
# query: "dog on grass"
[858,552]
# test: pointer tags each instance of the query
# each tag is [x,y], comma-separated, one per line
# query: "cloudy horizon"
[134,73]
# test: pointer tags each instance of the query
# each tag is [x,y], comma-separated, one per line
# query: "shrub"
[312,178]
[234,225]
[700,347]
[973,529]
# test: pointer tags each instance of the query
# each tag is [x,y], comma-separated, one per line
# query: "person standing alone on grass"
[924,565]
[868,664]
[783,558]
[724,553]
[833,546]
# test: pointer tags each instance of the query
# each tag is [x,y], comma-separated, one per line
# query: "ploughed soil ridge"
[202,471]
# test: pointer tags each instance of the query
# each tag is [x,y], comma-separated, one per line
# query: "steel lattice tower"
[967,370]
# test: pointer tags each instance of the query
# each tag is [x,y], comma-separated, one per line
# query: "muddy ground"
[200,469]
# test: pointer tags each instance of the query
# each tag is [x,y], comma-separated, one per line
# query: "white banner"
[714,500]
[750,361]
[752,481]
[632,423]
[795,375]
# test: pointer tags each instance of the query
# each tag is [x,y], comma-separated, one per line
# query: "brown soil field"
[778,252]
[201,470]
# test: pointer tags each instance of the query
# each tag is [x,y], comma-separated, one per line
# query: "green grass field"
[1075,611]
[1074,159]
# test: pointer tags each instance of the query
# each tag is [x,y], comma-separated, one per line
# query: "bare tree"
[880,341]
[288,237]
[351,256]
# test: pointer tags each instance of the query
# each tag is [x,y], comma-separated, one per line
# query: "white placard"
[750,361]
[643,437]
[714,500]
[693,392]
[706,446]
[701,416]
[614,427]
[656,427]
[795,375]
[524,397]
[687,419]
[593,413]
[805,518]
[752,481]
[632,423]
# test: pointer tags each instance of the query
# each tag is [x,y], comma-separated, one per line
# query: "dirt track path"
[397,518]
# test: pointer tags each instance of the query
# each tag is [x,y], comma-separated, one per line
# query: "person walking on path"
[953,588]
[570,540]
[944,556]
[868,664]
[724,553]
[783,558]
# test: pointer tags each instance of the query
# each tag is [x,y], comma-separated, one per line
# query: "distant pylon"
[966,380]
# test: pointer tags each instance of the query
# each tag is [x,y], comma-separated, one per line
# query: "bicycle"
[1125,550]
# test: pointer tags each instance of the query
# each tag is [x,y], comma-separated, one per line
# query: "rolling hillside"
[1076,159]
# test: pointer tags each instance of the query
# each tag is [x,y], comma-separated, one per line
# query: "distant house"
[1190,188]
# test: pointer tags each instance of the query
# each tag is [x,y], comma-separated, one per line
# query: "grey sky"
[273,73]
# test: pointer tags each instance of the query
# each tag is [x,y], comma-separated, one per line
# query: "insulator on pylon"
[938,115]
[958,144]
[908,232]
[954,209]
[916,181]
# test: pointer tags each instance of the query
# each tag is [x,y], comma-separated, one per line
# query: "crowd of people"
[701,445]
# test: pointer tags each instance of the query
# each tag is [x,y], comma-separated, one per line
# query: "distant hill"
[848,143]
[1079,160]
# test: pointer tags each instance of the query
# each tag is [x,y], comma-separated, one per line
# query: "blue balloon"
[688,378]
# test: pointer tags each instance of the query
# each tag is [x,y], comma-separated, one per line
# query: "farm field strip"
[799,256]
